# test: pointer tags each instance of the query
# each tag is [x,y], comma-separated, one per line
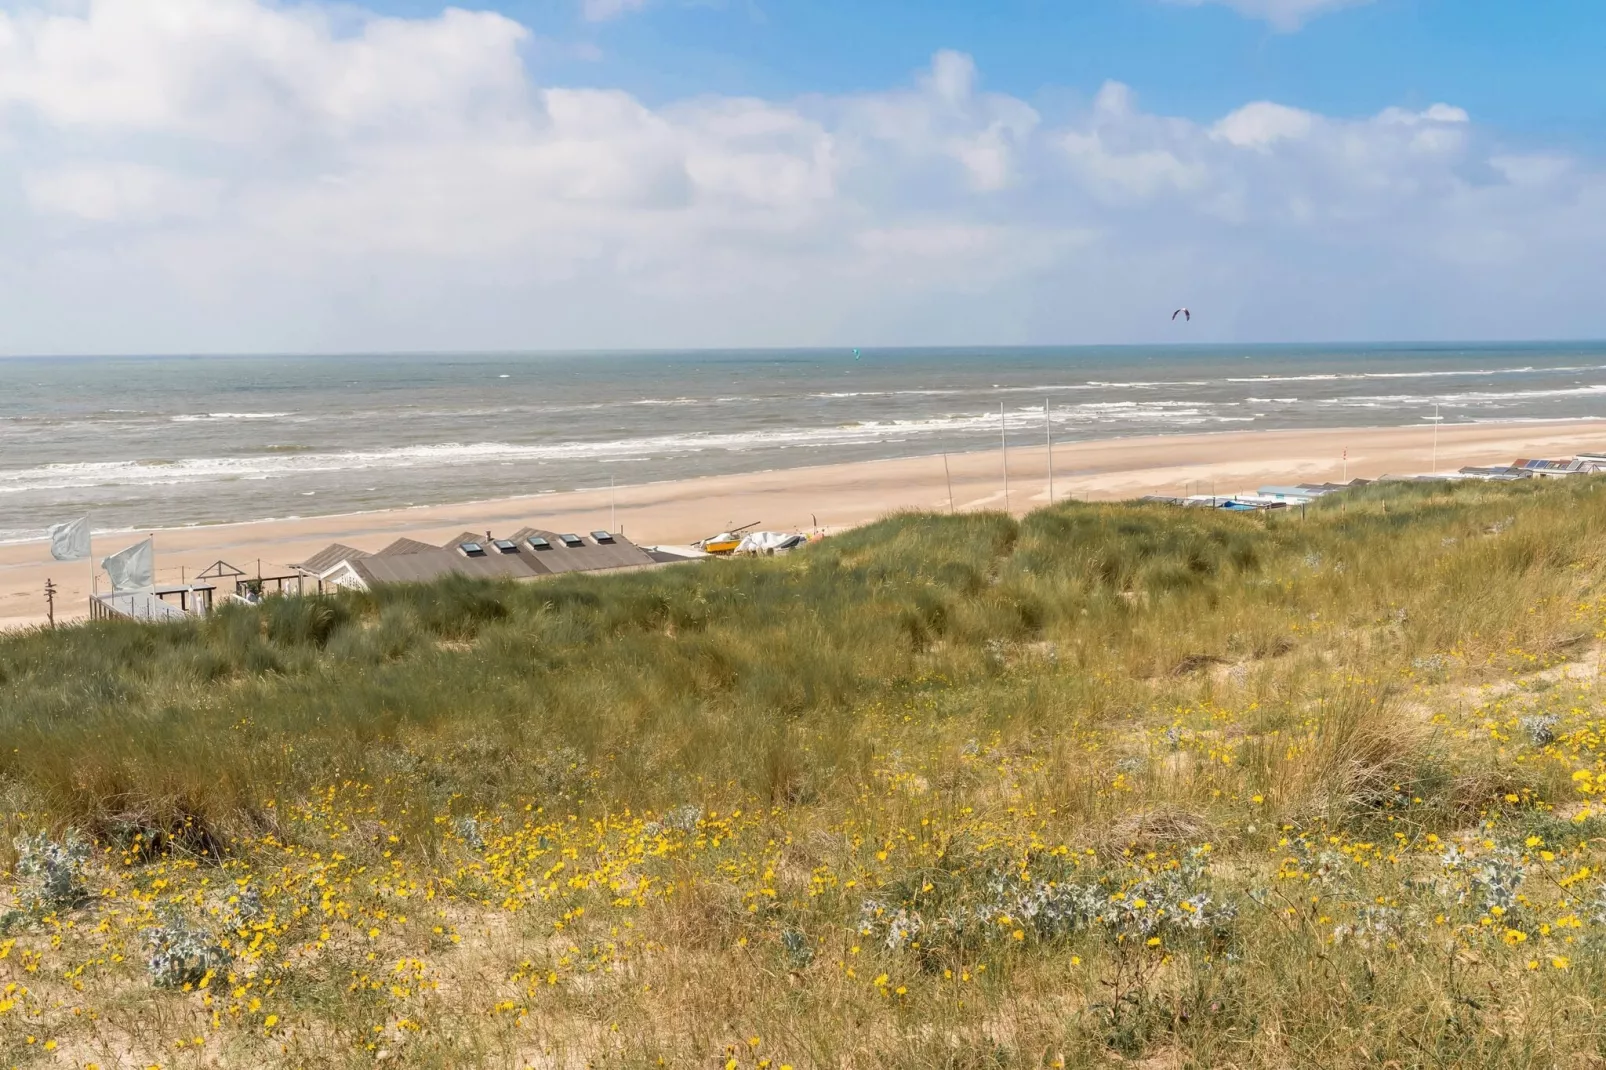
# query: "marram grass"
[1113,784]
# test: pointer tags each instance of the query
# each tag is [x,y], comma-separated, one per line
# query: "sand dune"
[830,497]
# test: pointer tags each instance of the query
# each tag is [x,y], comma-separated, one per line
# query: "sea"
[143,442]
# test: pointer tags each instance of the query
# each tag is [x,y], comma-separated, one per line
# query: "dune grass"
[1110,783]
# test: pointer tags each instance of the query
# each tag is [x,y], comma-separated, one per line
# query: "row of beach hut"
[526,554]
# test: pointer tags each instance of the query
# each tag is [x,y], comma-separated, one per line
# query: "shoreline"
[1068,445]
[829,497]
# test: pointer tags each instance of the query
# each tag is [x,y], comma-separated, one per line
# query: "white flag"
[70,541]
[132,569]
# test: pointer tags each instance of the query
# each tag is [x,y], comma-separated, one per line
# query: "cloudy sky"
[200,176]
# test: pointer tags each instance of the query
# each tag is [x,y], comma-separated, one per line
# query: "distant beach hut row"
[1284,496]
[1266,498]
[526,554]
[1537,468]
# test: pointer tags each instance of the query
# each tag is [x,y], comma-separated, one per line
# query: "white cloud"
[1532,170]
[1262,124]
[605,10]
[1285,15]
[121,192]
[247,72]
[249,175]
[1123,156]
[946,118]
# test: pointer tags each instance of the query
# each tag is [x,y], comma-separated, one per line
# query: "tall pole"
[948,477]
[1435,438]
[1346,464]
[1003,444]
[613,506]
[50,601]
[1048,433]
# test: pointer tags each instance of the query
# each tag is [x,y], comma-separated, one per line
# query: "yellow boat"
[724,543]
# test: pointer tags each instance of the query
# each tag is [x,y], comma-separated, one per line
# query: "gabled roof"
[328,558]
[467,536]
[587,557]
[434,564]
[404,546]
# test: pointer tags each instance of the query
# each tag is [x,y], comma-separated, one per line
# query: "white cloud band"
[233,174]
[1285,15]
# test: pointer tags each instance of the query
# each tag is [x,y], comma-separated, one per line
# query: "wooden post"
[50,601]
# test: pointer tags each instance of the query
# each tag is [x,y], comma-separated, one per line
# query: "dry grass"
[1110,784]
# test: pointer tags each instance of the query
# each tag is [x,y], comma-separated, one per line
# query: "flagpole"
[1048,433]
[1003,442]
[1435,438]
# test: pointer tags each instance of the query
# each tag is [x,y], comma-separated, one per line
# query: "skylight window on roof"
[505,546]
[571,540]
[471,549]
[539,542]
[602,536]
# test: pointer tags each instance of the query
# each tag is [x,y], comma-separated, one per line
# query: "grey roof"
[405,546]
[467,536]
[434,564]
[328,558]
[621,553]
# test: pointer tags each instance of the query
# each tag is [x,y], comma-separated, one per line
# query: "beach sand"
[830,497]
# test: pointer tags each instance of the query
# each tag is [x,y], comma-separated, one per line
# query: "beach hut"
[1295,495]
[405,546]
[327,562]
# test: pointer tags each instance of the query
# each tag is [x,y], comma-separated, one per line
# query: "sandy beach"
[829,497]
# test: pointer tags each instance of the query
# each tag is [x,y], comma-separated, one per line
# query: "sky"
[230,176]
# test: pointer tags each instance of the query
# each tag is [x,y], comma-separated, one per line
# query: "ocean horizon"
[165,441]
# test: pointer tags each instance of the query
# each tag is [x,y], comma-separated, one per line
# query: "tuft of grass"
[1112,782]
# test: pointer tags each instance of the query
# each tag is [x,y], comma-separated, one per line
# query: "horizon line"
[1403,343]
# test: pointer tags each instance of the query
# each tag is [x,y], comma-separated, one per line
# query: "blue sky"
[314,175]
[1532,68]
